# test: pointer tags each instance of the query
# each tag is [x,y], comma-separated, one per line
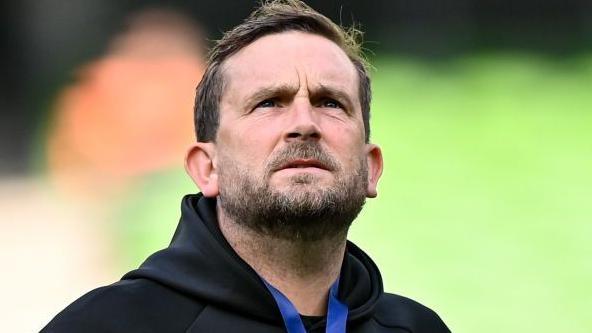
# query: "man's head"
[273,17]
[282,125]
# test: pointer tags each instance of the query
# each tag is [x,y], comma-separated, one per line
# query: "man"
[284,164]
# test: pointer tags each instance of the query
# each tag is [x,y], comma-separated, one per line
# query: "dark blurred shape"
[13,136]
[129,112]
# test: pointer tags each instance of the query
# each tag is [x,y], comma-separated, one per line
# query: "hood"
[200,262]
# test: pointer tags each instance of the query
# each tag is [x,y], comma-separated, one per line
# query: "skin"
[279,89]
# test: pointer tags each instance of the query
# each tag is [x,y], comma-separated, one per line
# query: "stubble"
[305,211]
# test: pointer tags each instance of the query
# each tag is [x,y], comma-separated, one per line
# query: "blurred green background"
[483,111]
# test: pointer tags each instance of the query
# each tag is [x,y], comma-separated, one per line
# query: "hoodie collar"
[200,262]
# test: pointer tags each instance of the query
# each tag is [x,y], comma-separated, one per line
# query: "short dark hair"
[274,17]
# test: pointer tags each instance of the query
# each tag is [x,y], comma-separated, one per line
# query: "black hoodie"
[199,284]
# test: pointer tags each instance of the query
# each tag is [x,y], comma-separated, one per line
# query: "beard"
[305,211]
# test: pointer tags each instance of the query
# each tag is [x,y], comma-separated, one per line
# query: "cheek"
[249,144]
[345,137]
[349,149]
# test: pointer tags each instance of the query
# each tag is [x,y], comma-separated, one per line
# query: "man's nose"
[303,122]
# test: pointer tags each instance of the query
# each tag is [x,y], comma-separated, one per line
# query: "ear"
[374,158]
[200,166]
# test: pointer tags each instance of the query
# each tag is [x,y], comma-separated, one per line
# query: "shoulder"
[138,305]
[398,311]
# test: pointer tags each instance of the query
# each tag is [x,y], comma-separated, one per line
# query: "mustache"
[302,150]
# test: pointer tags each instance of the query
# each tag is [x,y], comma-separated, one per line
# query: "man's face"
[290,147]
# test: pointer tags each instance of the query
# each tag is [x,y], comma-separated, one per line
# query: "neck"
[302,270]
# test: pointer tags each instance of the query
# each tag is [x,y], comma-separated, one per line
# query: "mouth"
[303,163]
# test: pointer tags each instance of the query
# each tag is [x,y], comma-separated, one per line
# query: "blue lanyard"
[336,313]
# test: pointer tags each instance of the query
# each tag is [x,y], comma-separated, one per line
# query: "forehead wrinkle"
[302,85]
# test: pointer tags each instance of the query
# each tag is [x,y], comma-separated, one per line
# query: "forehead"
[290,58]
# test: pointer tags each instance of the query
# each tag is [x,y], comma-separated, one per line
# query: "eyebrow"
[271,91]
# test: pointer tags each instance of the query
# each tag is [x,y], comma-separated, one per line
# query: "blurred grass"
[485,204]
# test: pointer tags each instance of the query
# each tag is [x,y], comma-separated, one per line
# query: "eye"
[268,103]
[331,103]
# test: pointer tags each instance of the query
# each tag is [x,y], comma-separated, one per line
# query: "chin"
[304,179]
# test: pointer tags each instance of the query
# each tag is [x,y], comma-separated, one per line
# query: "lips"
[303,163]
